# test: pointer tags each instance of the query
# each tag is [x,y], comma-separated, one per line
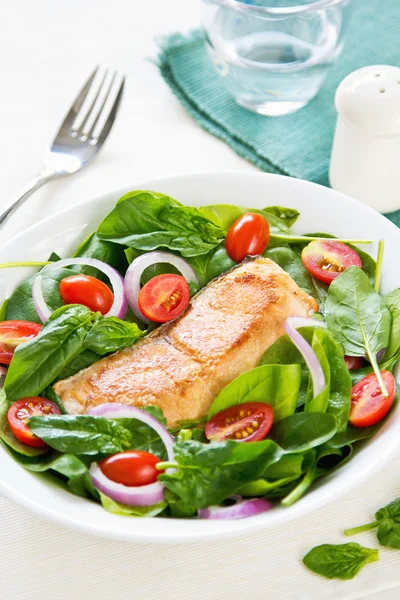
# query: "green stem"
[303,238]
[375,366]
[355,530]
[25,264]
[379,260]
[301,489]
[161,466]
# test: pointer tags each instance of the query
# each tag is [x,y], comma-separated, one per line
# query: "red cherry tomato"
[164,297]
[133,467]
[354,362]
[248,236]
[13,333]
[368,405]
[326,259]
[248,422]
[87,290]
[22,410]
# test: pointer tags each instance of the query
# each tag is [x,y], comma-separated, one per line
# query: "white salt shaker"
[365,161]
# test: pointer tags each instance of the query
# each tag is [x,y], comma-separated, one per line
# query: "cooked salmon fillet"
[183,365]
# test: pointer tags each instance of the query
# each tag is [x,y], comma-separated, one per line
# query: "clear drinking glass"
[273,55]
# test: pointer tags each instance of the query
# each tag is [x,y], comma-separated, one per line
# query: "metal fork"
[81,135]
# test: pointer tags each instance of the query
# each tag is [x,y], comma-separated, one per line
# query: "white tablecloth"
[47,49]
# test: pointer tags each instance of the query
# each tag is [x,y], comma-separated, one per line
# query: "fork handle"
[34,185]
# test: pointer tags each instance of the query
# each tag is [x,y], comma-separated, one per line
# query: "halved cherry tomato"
[368,405]
[354,362]
[87,290]
[248,422]
[133,467]
[22,410]
[326,259]
[13,333]
[164,297]
[248,236]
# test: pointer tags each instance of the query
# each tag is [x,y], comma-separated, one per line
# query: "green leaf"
[3,310]
[211,265]
[387,524]
[287,215]
[143,437]
[303,431]
[82,434]
[21,306]
[145,222]
[38,362]
[342,561]
[392,300]
[224,215]
[110,334]
[82,361]
[276,385]
[178,508]
[108,252]
[131,511]
[6,434]
[207,474]
[291,262]
[358,316]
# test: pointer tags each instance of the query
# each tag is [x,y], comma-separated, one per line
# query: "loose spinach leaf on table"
[277,385]
[303,431]
[111,334]
[82,434]
[358,316]
[387,524]
[39,361]
[207,474]
[342,561]
[145,221]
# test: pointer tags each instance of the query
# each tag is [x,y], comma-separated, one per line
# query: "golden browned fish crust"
[182,366]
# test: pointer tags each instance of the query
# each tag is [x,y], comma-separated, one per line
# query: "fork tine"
[84,115]
[112,114]
[79,100]
[94,117]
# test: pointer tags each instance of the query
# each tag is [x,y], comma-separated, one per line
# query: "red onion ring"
[143,495]
[120,304]
[239,510]
[310,358]
[135,271]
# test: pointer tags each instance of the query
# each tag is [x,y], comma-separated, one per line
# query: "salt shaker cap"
[370,98]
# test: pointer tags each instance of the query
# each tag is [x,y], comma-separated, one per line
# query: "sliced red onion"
[310,358]
[120,304]
[140,264]
[143,495]
[239,510]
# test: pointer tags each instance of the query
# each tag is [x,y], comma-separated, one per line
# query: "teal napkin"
[299,144]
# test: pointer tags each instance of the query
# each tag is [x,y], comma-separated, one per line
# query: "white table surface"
[47,49]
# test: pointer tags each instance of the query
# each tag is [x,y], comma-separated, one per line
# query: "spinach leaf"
[143,437]
[131,511]
[144,221]
[211,265]
[21,306]
[177,508]
[207,474]
[291,262]
[387,523]
[108,252]
[342,561]
[6,434]
[110,334]
[82,361]
[352,435]
[303,431]
[3,310]
[358,316]
[340,386]
[38,362]
[277,385]
[224,215]
[264,487]
[82,434]
[50,394]
[392,353]
[288,215]
[284,352]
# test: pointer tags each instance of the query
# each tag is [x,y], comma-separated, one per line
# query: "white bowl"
[321,209]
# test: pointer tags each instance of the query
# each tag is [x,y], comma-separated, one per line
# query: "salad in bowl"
[197,363]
